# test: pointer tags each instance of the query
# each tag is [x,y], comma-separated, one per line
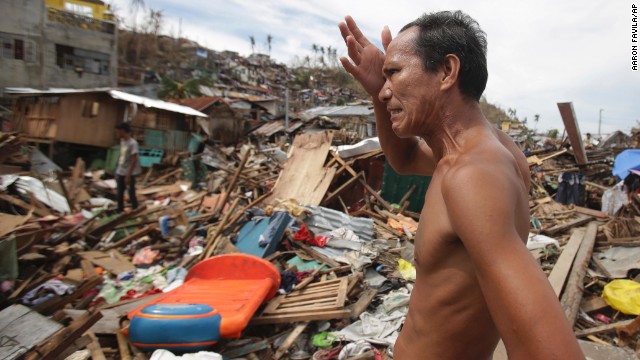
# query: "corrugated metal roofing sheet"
[324,220]
[199,103]
[274,127]
[158,104]
[116,94]
[338,111]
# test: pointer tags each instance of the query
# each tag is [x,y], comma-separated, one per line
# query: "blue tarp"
[626,161]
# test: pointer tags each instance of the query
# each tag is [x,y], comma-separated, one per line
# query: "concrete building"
[57,44]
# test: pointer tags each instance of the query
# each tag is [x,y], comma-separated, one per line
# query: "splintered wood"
[305,178]
[319,301]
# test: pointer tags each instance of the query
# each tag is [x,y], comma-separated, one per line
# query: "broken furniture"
[213,303]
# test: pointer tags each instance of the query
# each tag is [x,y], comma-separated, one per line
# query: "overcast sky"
[540,53]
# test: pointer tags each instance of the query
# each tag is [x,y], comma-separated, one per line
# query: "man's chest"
[435,237]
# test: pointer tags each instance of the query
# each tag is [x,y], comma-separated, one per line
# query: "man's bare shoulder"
[487,166]
[491,158]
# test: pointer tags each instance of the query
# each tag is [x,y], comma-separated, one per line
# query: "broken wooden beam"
[127,239]
[561,269]
[55,345]
[572,296]
[363,303]
[111,224]
[573,131]
[293,336]
[602,329]
[568,225]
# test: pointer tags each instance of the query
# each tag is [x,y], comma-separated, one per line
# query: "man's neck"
[447,135]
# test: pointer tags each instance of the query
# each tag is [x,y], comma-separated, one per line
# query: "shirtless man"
[476,280]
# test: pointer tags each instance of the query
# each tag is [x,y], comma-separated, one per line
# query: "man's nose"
[385,93]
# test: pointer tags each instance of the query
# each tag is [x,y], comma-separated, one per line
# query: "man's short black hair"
[445,32]
[124,127]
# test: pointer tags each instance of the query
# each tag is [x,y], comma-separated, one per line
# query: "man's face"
[119,133]
[410,93]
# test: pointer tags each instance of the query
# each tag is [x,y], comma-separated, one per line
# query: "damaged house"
[227,118]
[88,117]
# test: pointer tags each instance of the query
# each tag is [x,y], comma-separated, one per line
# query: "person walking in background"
[128,166]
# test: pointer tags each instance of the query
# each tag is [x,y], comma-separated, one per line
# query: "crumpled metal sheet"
[618,260]
[323,220]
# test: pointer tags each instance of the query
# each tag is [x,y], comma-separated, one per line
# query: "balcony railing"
[84,22]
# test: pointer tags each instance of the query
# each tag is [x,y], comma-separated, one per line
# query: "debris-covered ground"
[330,271]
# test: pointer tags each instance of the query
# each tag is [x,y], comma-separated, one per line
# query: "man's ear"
[450,69]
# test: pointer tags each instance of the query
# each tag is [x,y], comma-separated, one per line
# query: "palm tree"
[269,40]
[253,43]
[173,90]
[315,49]
[136,5]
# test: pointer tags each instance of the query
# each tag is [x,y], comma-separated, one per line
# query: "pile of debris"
[288,252]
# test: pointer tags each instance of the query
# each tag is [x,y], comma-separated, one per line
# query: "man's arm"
[482,204]
[406,156]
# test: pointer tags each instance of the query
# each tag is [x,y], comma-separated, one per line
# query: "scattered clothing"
[571,188]
[46,291]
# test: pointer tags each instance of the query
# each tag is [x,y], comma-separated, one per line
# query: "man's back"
[448,317]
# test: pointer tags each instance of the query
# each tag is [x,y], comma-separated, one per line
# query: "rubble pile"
[291,250]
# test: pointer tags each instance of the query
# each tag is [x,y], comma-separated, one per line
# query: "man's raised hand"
[367,58]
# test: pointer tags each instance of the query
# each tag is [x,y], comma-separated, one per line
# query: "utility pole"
[286,108]
[600,124]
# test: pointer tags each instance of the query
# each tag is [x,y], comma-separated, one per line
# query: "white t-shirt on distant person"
[127,149]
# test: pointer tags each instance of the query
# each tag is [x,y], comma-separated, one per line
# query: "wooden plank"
[57,302]
[318,302]
[342,187]
[562,267]
[595,303]
[56,344]
[309,278]
[590,212]
[160,179]
[123,347]
[562,227]
[17,335]
[330,297]
[284,347]
[109,261]
[244,350]
[602,329]
[293,318]
[553,155]
[379,198]
[314,292]
[363,302]
[95,348]
[572,295]
[17,202]
[109,225]
[304,177]
[310,297]
[88,268]
[127,239]
[316,255]
[109,324]
[306,309]
[67,233]
[573,131]
[342,292]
